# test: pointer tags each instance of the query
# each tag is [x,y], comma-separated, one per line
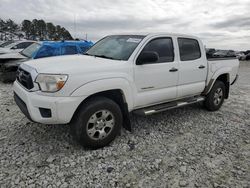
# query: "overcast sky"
[221,24]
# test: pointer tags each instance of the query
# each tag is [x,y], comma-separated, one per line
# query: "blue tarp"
[52,48]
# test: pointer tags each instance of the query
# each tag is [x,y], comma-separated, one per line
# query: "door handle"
[173,69]
[201,67]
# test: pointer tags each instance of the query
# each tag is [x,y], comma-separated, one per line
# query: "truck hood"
[12,56]
[71,64]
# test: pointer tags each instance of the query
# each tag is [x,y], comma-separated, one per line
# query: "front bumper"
[31,103]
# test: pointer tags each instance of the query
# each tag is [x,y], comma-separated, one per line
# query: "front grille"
[24,78]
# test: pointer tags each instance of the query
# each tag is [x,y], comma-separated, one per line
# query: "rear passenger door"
[192,67]
[157,82]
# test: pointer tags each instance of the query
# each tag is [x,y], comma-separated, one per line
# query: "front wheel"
[97,122]
[215,97]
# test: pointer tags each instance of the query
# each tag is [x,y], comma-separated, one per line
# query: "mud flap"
[126,118]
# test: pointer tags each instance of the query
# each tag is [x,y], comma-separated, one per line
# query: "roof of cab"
[172,34]
[159,34]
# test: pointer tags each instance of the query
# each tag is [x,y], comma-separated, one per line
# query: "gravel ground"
[186,147]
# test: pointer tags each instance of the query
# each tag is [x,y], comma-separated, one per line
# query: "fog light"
[45,112]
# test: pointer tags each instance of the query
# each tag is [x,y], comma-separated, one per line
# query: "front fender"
[101,85]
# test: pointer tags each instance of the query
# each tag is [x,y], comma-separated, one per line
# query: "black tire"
[211,103]
[80,122]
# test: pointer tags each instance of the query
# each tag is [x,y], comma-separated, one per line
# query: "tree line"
[33,30]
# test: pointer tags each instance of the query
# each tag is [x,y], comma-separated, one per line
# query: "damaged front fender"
[8,70]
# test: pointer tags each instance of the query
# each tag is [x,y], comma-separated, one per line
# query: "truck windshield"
[29,51]
[117,47]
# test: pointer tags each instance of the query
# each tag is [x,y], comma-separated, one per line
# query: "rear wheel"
[215,97]
[97,122]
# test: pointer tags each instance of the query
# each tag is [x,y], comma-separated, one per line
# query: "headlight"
[51,82]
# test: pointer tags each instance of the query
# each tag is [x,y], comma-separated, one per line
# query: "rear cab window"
[189,49]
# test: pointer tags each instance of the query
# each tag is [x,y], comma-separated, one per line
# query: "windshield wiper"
[106,57]
[101,56]
[88,54]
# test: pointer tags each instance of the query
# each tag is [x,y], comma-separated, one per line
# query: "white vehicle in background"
[17,46]
[5,43]
[144,74]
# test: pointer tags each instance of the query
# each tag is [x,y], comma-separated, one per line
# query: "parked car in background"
[240,55]
[247,52]
[51,48]
[10,62]
[247,57]
[210,52]
[5,43]
[224,53]
[15,47]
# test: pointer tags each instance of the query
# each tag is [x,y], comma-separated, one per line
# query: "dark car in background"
[247,57]
[9,63]
[247,52]
[240,55]
[210,52]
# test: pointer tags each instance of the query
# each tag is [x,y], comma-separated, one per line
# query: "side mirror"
[14,47]
[147,57]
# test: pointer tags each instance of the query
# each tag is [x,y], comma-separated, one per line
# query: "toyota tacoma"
[120,74]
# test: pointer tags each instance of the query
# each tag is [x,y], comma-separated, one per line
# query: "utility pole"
[75,25]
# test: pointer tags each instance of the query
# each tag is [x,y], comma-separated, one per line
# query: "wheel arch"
[104,85]
[223,77]
[120,95]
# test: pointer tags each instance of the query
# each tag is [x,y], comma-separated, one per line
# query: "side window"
[189,49]
[69,50]
[45,51]
[27,44]
[17,46]
[164,48]
[22,45]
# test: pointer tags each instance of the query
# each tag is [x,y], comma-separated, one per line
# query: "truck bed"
[215,65]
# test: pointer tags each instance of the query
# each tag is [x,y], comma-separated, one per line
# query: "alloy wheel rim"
[100,124]
[218,96]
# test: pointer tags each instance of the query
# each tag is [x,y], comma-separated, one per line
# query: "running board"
[167,106]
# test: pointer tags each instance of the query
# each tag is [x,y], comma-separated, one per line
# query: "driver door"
[156,82]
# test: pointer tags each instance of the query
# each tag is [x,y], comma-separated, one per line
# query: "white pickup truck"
[145,74]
